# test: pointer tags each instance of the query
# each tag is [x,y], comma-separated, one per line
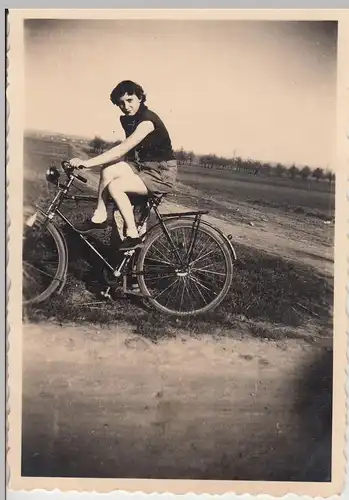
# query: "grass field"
[296,196]
[114,389]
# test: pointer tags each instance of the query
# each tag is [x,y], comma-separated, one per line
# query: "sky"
[258,89]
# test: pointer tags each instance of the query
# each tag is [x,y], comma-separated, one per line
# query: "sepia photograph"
[178,241]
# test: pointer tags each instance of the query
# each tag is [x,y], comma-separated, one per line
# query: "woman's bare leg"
[119,190]
[100,213]
[108,174]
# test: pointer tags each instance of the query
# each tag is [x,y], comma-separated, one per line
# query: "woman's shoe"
[130,244]
[99,216]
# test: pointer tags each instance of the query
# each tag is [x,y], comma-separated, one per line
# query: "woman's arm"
[117,152]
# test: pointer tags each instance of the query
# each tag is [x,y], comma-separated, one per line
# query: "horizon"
[28,132]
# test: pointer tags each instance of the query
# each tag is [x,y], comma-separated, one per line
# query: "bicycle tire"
[59,274]
[203,229]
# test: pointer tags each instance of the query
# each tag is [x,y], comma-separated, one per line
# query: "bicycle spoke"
[209,271]
[199,283]
[156,271]
[192,293]
[28,275]
[160,266]
[199,258]
[182,296]
[165,243]
[161,277]
[207,294]
[184,238]
[163,291]
[161,262]
[210,280]
[40,270]
[171,292]
[162,257]
[201,244]
[165,247]
[204,267]
[199,291]
[205,248]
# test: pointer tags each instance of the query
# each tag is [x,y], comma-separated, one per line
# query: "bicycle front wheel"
[44,260]
[188,276]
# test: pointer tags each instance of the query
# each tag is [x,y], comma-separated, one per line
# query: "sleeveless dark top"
[156,146]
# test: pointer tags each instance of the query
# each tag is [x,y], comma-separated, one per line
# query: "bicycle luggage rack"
[184,214]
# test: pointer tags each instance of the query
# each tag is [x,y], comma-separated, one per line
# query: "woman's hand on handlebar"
[77,163]
[69,168]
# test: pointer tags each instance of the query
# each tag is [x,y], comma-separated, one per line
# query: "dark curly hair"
[127,87]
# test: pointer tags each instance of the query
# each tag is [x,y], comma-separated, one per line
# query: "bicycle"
[184,268]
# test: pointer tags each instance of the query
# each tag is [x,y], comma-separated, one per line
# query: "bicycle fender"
[205,223]
[41,213]
[60,288]
[224,236]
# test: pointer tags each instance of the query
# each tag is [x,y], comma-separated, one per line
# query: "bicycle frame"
[188,215]
[62,195]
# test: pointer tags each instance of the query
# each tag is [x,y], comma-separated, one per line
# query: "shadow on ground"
[174,439]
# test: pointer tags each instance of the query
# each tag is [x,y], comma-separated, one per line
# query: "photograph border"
[15,99]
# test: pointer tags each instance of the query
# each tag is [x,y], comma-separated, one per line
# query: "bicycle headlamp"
[52,175]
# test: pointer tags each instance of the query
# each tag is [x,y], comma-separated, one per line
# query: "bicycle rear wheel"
[185,290]
[44,260]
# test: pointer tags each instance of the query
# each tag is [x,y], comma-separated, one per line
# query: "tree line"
[237,164]
[98,145]
[252,167]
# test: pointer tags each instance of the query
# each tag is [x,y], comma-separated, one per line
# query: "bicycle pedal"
[106,293]
[129,253]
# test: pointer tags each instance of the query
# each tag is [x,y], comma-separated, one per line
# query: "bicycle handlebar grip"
[81,178]
[66,165]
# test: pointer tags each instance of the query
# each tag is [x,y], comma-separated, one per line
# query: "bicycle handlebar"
[69,170]
[80,178]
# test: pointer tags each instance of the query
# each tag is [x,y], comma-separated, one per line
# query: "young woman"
[143,164]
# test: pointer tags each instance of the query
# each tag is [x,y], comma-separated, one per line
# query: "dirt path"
[108,403]
[275,235]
